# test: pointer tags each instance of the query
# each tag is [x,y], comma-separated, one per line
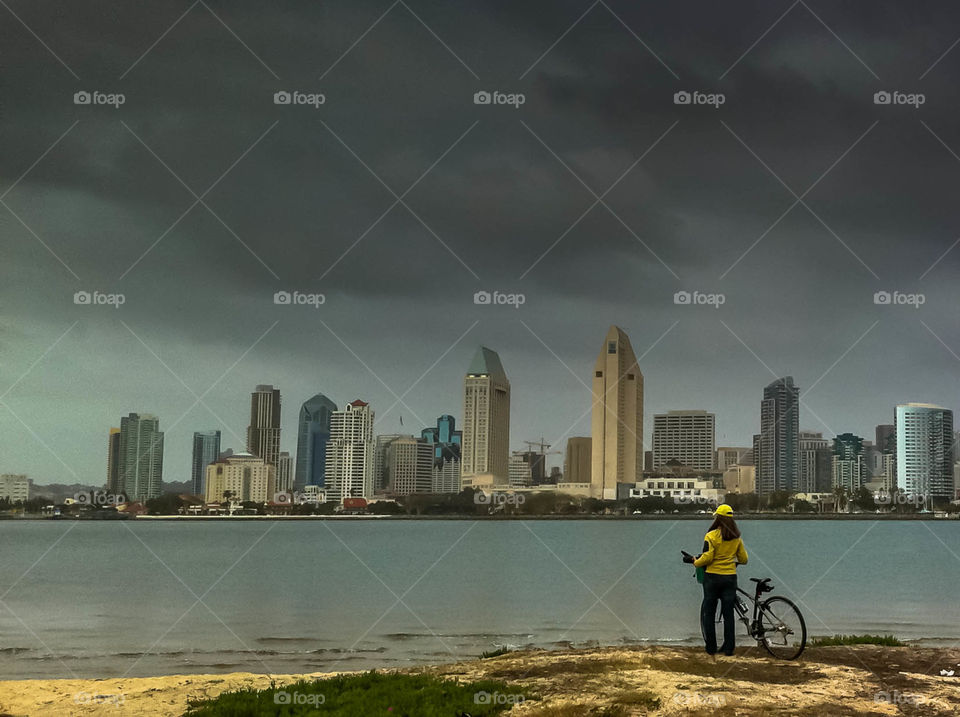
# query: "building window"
[629,376]
[599,374]
[611,347]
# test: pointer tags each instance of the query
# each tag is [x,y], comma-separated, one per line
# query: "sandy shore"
[605,681]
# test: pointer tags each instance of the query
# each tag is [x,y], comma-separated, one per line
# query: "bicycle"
[776,623]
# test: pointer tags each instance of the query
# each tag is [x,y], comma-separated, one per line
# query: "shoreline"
[845,680]
[665,517]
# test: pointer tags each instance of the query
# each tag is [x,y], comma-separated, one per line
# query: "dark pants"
[724,589]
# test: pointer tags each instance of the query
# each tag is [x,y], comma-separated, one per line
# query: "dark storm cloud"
[497,211]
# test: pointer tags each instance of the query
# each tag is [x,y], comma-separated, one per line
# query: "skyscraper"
[809,442]
[776,452]
[284,482]
[848,468]
[263,433]
[486,419]
[686,436]
[113,462]
[925,451]
[617,421]
[312,438]
[349,468]
[206,450]
[577,462]
[444,436]
[409,465]
[141,456]
[381,477]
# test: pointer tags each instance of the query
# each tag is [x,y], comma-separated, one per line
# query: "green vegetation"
[369,693]
[494,653]
[885,640]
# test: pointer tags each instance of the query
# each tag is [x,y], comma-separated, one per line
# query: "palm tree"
[839,498]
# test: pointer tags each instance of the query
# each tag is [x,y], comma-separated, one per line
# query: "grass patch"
[638,698]
[495,653]
[369,693]
[554,668]
[885,640]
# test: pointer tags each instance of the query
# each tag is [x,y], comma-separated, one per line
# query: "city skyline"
[174,474]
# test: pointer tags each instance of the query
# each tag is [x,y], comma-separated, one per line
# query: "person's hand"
[688,558]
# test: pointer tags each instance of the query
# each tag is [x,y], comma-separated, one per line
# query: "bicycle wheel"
[782,630]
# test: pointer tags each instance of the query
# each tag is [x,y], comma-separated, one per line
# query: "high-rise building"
[617,420]
[113,462]
[578,460]
[206,450]
[685,436]
[809,442]
[527,468]
[263,433]
[349,468]
[848,469]
[728,456]
[446,475]
[312,438]
[409,466]
[776,454]
[381,478]
[284,473]
[823,471]
[886,438]
[141,457]
[444,436]
[925,451]
[486,419]
[242,477]
[14,488]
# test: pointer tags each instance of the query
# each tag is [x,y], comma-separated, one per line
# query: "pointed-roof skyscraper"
[486,419]
[617,422]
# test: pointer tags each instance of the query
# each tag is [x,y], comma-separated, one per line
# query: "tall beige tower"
[617,425]
[486,419]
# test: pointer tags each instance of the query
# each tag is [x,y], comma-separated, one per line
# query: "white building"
[350,453]
[241,477]
[519,469]
[685,436]
[682,490]
[925,450]
[15,488]
[446,476]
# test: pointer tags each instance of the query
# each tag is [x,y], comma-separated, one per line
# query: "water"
[120,598]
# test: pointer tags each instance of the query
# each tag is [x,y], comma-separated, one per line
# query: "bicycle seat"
[758,580]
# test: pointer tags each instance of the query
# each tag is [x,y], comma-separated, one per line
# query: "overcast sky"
[797,199]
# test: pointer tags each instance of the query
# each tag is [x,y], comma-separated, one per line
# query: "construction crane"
[542,445]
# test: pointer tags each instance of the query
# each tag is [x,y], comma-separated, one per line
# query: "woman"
[722,551]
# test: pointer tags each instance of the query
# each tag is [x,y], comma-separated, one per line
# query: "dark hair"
[728,527]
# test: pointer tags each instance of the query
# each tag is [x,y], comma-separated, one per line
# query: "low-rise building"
[242,477]
[15,488]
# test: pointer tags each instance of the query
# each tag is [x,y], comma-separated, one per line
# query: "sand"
[603,681]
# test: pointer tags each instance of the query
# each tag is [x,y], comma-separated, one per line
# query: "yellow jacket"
[721,556]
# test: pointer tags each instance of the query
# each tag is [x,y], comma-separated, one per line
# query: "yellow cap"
[723,509]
